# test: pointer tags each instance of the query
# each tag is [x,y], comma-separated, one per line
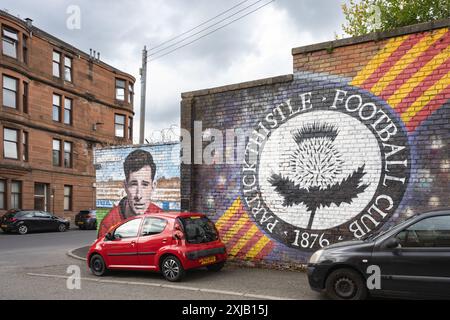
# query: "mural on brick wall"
[135,180]
[327,160]
[332,159]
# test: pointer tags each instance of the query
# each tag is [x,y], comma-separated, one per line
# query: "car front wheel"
[345,284]
[62,227]
[23,229]
[172,269]
[97,265]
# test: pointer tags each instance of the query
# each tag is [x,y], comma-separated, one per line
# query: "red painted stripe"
[265,251]
[392,59]
[427,83]
[416,65]
[234,240]
[235,217]
[437,102]
[253,240]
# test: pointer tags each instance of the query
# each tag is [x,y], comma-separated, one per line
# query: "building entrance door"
[41,197]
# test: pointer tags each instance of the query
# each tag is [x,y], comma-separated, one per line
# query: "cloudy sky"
[257,46]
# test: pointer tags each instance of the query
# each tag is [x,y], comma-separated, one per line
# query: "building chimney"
[29,22]
[98,56]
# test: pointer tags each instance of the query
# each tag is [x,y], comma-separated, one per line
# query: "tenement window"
[56,152]
[10,89]
[56,64]
[11,143]
[119,124]
[10,40]
[67,198]
[120,90]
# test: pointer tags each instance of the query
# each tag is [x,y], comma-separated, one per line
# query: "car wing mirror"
[109,236]
[392,243]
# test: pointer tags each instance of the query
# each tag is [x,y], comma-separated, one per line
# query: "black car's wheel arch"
[342,266]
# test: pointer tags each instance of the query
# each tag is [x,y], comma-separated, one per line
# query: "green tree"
[367,16]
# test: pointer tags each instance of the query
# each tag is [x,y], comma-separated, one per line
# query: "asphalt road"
[35,266]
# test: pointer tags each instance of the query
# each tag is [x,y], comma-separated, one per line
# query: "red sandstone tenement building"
[56,104]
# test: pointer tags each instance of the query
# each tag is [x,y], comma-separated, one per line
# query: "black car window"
[430,232]
[20,214]
[41,214]
[129,229]
[153,226]
[28,214]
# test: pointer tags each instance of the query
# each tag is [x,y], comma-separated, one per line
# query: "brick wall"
[355,140]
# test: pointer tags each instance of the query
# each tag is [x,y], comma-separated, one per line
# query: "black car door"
[48,223]
[420,265]
[31,220]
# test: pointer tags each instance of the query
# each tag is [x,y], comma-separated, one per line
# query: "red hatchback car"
[170,243]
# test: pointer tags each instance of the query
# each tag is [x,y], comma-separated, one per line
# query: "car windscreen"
[84,212]
[199,230]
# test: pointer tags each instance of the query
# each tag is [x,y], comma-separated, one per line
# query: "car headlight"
[315,258]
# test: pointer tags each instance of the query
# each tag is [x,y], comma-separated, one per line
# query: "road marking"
[167,286]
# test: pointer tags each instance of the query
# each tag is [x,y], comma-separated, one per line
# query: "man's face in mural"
[139,189]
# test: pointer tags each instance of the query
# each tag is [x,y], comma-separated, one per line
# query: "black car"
[25,221]
[86,219]
[412,259]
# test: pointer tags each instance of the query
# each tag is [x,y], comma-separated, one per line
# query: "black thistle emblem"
[315,165]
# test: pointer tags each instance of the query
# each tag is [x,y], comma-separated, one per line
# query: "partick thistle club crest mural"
[356,140]
[325,161]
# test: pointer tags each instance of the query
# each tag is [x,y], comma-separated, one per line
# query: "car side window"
[28,215]
[430,232]
[41,214]
[129,229]
[38,214]
[153,226]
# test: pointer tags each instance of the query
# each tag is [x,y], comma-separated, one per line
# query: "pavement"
[38,266]
[79,253]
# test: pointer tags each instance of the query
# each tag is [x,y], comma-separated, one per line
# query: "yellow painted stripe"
[418,77]
[228,214]
[406,60]
[427,96]
[253,252]
[243,241]
[235,228]
[378,60]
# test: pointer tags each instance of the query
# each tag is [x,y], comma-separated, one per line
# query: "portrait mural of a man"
[139,169]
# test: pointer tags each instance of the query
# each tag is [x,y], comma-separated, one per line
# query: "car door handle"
[133,243]
[164,240]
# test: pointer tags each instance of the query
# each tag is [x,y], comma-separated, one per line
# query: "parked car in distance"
[168,242]
[413,259]
[25,221]
[86,219]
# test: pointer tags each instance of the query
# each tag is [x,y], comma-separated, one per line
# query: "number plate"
[4,226]
[207,260]
[80,222]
